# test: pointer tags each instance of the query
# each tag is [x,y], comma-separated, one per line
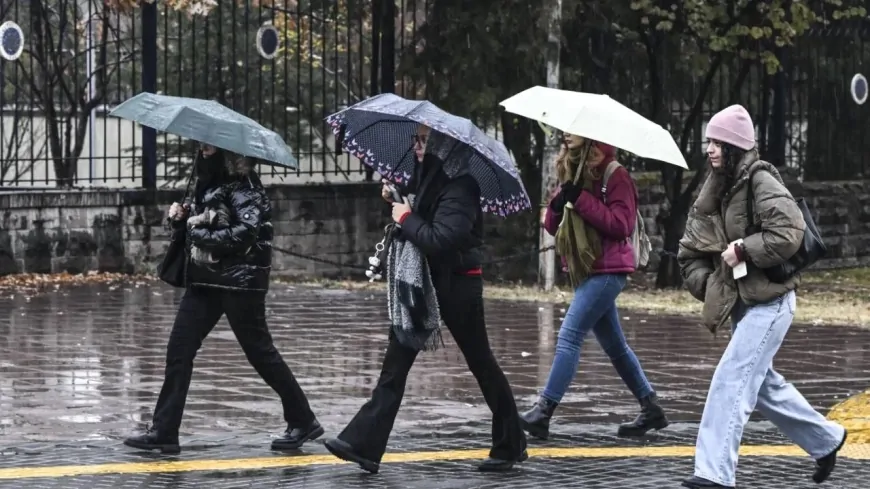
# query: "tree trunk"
[547,264]
[763,118]
[776,140]
[64,172]
[673,226]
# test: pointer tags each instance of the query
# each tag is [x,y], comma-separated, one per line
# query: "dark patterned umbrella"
[380,132]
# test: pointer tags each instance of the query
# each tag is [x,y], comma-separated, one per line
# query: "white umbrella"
[597,117]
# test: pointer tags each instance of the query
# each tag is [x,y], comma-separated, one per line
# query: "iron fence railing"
[81,59]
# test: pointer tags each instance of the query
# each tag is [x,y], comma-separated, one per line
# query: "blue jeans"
[745,380]
[594,308]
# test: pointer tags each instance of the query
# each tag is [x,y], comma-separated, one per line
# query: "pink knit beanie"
[732,125]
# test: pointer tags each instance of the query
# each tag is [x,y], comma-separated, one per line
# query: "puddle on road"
[96,368]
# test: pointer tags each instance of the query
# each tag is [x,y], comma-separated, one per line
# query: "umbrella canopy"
[380,131]
[597,117]
[208,122]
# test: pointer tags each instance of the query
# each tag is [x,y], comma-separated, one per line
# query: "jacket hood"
[453,154]
[238,166]
[234,165]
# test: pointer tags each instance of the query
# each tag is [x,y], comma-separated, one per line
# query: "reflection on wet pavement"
[82,367]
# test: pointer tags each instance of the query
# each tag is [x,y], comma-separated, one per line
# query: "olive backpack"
[639,239]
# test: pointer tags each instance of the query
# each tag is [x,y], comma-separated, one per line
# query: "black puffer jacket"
[244,249]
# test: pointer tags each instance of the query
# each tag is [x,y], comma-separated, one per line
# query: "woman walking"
[761,311]
[230,276]
[609,212]
[443,223]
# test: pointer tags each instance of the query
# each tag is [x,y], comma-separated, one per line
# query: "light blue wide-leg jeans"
[745,379]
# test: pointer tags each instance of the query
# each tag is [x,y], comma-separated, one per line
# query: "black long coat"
[446,223]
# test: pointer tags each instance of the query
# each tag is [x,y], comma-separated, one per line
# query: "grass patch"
[836,297]
[825,297]
[853,276]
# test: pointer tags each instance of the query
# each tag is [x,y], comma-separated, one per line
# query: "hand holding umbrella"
[401,210]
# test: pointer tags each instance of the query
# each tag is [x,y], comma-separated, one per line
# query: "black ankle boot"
[825,465]
[293,438]
[499,465]
[154,440]
[536,421]
[651,417]
[699,483]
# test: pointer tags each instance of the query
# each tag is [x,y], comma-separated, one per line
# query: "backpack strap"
[608,172]
[750,199]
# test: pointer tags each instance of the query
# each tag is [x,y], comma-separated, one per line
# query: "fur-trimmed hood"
[236,166]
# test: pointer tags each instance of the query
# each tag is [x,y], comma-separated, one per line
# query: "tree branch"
[31,81]
[700,98]
[742,74]
[56,52]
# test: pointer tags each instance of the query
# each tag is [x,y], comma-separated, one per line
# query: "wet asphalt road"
[80,369]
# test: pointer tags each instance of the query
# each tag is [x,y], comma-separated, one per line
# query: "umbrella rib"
[366,128]
[396,166]
[498,183]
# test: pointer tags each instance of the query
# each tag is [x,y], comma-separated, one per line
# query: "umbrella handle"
[548,131]
[394,193]
[587,147]
[190,178]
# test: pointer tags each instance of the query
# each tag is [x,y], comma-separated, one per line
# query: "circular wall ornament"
[859,89]
[11,41]
[268,41]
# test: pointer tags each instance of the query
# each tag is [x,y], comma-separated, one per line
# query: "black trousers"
[199,312]
[462,312]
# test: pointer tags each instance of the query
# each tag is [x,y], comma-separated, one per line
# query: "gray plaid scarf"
[411,300]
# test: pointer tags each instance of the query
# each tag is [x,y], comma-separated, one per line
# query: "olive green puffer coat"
[718,218]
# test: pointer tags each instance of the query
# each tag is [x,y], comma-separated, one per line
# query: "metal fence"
[805,117]
[55,101]
[81,59]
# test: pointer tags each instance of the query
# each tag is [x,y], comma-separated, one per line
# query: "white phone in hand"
[739,270]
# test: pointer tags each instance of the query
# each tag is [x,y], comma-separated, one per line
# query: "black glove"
[571,192]
[557,203]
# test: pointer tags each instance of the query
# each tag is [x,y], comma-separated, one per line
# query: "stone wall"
[841,210]
[122,230]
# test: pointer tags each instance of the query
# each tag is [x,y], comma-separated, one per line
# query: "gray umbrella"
[208,122]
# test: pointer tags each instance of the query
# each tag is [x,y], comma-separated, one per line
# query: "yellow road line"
[854,415]
[853,451]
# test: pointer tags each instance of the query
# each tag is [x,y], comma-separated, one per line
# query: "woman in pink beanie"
[718,238]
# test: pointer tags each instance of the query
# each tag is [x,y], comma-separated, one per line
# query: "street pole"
[388,47]
[149,84]
[374,66]
[547,263]
[89,61]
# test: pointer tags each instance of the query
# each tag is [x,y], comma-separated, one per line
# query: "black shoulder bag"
[173,267]
[811,250]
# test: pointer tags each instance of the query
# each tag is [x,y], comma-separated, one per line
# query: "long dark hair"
[209,171]
[731,157]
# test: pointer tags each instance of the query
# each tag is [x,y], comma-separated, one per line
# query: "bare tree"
[21,147]
[58,78]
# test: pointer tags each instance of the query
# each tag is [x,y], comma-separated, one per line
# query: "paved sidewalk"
[80,368]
